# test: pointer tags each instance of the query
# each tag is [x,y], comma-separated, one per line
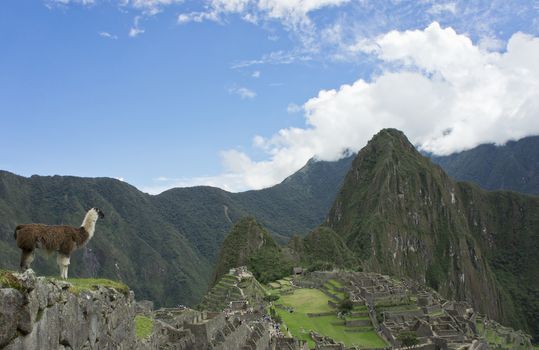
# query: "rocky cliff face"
[402,215]
[37,313]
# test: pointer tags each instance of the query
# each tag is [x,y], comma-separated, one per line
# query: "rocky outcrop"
[41,313]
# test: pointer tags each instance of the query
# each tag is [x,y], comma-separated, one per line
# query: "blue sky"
[240,93]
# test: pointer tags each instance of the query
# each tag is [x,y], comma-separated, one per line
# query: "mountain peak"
[390,132]
[403,216]
[391,139]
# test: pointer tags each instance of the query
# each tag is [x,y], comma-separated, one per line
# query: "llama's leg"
[63,264]
[27,256]
[66,267]
[60,266]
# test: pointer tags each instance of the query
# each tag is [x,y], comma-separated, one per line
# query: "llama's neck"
[89,223]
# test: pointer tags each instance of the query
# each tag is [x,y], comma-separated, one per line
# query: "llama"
[62,239]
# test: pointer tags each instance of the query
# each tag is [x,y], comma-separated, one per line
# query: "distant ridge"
[513,166]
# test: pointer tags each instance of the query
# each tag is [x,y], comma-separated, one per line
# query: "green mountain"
[163,246]
[402,215]
[133,243]
[249,244]
[513,166]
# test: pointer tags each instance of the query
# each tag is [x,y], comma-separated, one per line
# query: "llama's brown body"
[61,239]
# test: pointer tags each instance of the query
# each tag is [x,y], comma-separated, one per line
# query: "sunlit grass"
[143,326]
[83,284]
[305,301]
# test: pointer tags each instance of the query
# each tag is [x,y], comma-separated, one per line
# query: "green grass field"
[305,301]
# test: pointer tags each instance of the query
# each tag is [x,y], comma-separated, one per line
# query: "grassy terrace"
[81,284]
[332,286]
[7,279]
[305,301]
[335,283]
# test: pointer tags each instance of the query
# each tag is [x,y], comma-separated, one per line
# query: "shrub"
[272,297]
[346,305]
[407,339]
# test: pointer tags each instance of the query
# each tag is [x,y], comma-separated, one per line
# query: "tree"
[346,305]
[272,297]
[407,339]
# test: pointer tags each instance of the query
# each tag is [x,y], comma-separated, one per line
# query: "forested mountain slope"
[513,166]
[164,246]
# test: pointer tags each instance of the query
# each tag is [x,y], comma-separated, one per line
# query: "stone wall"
[45,314]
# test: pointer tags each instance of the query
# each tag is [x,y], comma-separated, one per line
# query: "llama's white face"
[99,213]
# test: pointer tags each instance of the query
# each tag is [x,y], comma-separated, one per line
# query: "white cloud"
[444,92]
[293,108]
[491,43]
[255,74]
[151,7]
[242,92]
[217,8]
[135,29]
[438,8]
[67,2]
[275,57]
[134,32]
[295,10]
[197,17]
[108,35]
[292,12]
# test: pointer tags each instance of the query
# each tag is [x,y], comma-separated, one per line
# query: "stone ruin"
[397,306]
[240,272]
[405,306]
[200,330]
[239,326]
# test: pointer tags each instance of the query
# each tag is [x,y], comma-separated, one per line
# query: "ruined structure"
[398,307]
